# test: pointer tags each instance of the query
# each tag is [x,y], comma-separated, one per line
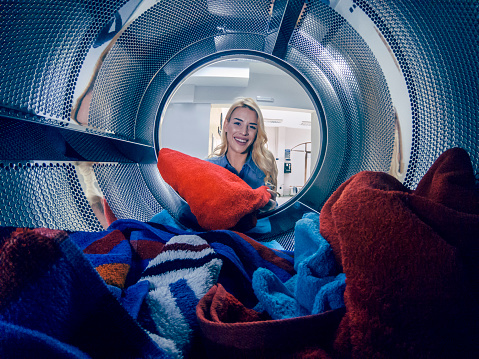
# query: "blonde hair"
[262,157]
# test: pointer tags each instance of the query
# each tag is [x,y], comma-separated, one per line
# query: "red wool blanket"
[411,260]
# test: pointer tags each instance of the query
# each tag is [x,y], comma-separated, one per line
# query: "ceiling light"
[219,71]
[273,120]
[264,99]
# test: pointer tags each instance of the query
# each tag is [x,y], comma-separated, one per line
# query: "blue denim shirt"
[250,173]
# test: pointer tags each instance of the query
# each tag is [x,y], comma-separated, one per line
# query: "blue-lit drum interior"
[84,85]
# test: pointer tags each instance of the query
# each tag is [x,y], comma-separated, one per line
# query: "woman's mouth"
[241,141]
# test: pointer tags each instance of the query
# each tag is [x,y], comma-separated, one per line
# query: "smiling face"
[241,130]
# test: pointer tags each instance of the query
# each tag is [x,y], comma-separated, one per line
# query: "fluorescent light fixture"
[291,118]
[264,99]
[273,120]
[228,76]
[218,71]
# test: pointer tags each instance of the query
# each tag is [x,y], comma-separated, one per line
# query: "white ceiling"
[233,73]
[236,73]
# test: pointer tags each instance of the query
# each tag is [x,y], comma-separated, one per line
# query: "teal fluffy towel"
[318,286]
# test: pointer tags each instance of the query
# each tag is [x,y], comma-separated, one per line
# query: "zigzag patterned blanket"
[130,291]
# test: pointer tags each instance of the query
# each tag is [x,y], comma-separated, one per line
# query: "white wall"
[185,128]
[279,139]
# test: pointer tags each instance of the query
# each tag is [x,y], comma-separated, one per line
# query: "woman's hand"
[273,194]
[271,203]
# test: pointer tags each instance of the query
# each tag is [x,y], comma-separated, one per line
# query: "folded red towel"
[218,198]
[231,330]
[411,260]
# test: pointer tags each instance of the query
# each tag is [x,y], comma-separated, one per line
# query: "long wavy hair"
[262,157]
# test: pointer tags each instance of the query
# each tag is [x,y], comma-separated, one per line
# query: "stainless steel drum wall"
[356,102]
[44,45]
[46,58]
[435,44]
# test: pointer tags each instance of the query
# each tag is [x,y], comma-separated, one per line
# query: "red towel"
[411,260]
[231,330]
[218,198]
[24,256]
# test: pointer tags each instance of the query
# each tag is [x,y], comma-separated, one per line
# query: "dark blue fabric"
[249,256]
[161,233]
[84,239]
[20,342]
[69,306]
[132,297]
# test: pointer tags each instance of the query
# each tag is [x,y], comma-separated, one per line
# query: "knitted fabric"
[179,276]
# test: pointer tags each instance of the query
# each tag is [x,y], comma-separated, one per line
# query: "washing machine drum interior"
[85,85]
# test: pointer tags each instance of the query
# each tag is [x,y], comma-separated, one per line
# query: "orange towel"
[218,198]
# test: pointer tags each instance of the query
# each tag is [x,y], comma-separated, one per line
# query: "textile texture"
[130,291]
[411,259]
[218,198]
[55,305]
[382,272]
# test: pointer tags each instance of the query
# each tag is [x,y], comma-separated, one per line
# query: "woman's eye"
[237,123]
[253,128]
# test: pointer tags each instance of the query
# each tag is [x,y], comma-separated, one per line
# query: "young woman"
[243,148]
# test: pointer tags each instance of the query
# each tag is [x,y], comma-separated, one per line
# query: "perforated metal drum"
[84,84]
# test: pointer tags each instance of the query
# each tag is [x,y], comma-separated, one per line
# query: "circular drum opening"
[192,119]
[344,81]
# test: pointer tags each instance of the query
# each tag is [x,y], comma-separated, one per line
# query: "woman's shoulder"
[216,159]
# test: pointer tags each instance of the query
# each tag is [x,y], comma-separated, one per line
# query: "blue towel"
[274,296]
[315,288]
[132,297]
[165,218]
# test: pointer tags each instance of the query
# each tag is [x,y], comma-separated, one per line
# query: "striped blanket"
[129,291]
